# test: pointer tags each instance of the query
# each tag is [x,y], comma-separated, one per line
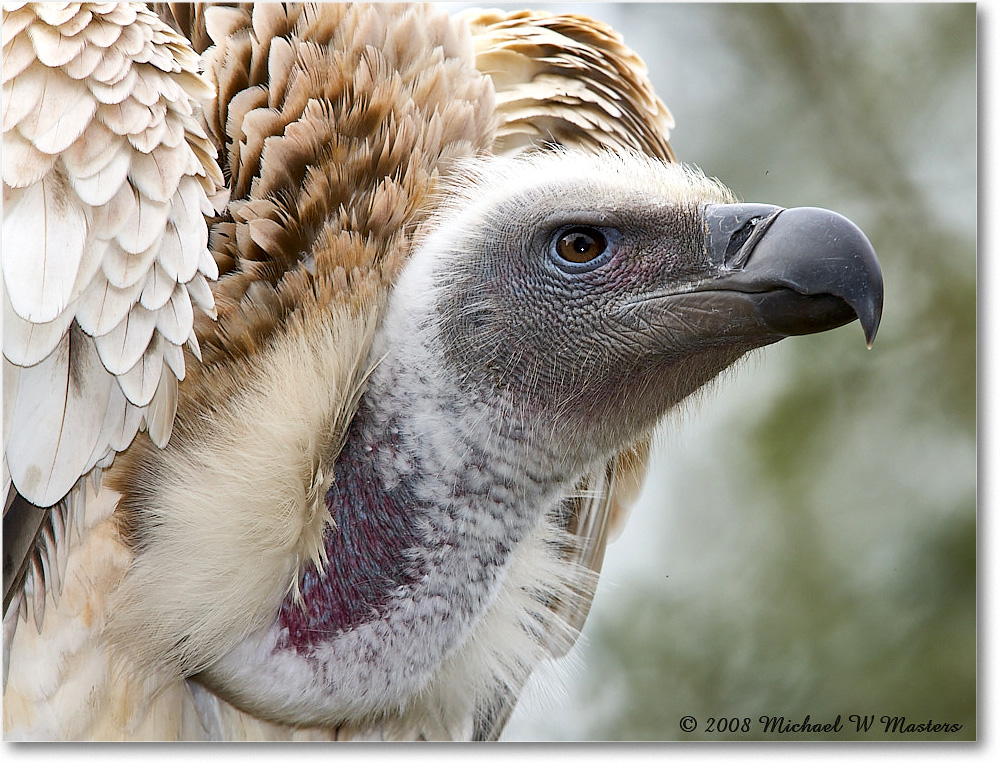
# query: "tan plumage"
[567,79]
[343,134]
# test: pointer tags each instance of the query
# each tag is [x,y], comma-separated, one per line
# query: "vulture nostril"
[738,239]
[743,242]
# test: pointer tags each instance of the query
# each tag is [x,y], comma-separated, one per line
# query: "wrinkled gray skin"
[610,349]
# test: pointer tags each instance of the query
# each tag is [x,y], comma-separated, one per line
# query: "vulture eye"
[580,245]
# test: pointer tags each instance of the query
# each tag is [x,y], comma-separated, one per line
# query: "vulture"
[333,341]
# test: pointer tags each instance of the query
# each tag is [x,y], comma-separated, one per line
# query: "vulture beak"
[794,271]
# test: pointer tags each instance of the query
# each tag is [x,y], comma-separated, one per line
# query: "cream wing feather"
[107,177]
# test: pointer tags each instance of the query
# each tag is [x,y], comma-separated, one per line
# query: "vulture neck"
[433,492]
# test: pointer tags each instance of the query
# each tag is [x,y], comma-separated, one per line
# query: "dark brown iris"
[581,244]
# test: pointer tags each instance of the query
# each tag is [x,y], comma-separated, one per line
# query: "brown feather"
[558,77]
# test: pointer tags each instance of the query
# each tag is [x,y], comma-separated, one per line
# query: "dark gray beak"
[803,269]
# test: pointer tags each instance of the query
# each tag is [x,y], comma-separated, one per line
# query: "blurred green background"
[806,543]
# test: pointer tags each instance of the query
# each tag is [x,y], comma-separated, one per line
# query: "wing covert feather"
[567,79]
[104,162]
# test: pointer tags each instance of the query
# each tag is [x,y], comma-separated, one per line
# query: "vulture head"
[583,295]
